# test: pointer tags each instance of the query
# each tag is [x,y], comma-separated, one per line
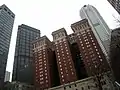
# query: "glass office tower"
[22,69]
[6,25]
[99,26]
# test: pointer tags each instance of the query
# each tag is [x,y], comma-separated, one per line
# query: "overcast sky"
[50,15]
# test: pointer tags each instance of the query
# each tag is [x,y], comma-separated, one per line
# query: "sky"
[51,15]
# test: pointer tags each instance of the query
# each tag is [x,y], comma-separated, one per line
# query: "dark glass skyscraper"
[115,4]
[6,25]
[22,69]
[114,53]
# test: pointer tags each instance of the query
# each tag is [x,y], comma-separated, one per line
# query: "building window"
[41,82]
[56,45]
[46,81]
[98,53]
[40,65]
[90,52]
[46,74]
[59,62]
[96,49]
[84,35]
[40,59]
[87,42]
[99,56]
[41,75]
[89,49]
[64,61]
[95,66]
[93,43]
[41,69]
[69,62]
[83,48]
[45,70]
[80,41]
[72,73]
[41,78]
[5,9]
[88,45]
[65,67]
[41,72]
[95,46]
[66,50]
[91,38]
[101,60]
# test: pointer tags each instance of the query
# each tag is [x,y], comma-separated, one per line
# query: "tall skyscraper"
[99,26]
[45,68]
[23,58]
[6,25]
[115,4]
[91,53]
[66,68]
[114,53]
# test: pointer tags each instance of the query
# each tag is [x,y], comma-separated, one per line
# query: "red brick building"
[69,57]
[44,63]
[90,50]
[66,68]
